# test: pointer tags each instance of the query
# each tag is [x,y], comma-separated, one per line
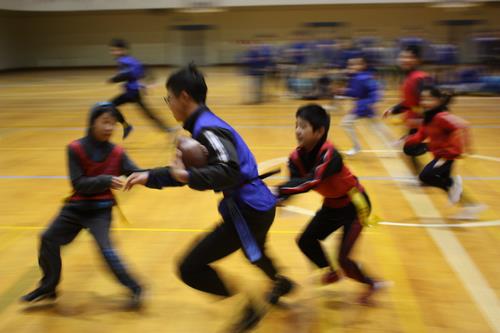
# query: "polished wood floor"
[445,274]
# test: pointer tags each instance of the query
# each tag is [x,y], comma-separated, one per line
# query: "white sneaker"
[329,107]
[353,151]
[366,297]
[455,191]
[470,212]
[397,143]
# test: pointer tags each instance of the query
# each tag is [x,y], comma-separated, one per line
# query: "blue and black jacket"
[231,167]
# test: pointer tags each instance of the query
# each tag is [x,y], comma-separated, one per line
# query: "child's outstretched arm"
[329,164]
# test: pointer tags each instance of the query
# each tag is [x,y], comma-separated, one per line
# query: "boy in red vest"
[317,165]
[95,165]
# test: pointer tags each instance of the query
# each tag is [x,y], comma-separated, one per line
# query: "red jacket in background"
[446,133]
[410,93]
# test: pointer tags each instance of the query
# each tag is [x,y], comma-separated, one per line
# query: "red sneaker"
[330,277]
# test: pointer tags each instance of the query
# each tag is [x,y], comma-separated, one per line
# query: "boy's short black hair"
[190,80]
[118,42]
[315,115]
[414,50]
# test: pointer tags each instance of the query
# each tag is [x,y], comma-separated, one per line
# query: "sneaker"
[39,295]
[397,143]
[127,130]
[470,212]
[136,299]
[329,277]
[366,297]
[330,108]
[249,319]
[455,191]
[353,151]
[282,286]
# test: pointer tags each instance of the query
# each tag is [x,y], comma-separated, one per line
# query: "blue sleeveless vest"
[254,193]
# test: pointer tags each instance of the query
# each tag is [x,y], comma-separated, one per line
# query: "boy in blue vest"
[248,207]
[95,165]
[131,71]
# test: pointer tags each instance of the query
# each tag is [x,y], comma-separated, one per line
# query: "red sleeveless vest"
[110,166]
[334,188]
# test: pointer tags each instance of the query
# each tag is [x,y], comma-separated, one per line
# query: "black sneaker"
[127,130]
[136,299]
[282,286]
[39,295]
[249,319]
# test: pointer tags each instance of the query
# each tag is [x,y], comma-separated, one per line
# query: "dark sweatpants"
[195,269]
[325,222]
[64,229]
[413,159]
[134,96]
[437,176]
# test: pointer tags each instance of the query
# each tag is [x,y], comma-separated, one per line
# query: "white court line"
[308,212]
[450,247]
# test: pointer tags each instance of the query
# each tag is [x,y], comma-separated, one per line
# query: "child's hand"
[387,112]
[140,178]
[178,169]
[177,163]
[275,190]
[116,183]
[280,200]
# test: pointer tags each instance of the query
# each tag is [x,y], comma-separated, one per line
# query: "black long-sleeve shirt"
[222,170]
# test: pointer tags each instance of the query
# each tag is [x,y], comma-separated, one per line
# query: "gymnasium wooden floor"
[446,276]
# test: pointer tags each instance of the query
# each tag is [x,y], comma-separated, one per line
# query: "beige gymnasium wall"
[79,38]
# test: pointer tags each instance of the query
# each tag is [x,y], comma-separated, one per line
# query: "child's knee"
[424,177]
[304,240]
[186,269]
[47,239]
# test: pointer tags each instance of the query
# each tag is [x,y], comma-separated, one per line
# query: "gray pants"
[64,229]
[348,122]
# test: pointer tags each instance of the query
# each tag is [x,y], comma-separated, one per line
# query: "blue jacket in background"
[256,61]
[131,70]
[364,88]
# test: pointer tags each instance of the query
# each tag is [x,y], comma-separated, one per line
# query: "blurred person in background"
[415,80]
[362,87]
[257,62]
[130,72]
[447,137]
